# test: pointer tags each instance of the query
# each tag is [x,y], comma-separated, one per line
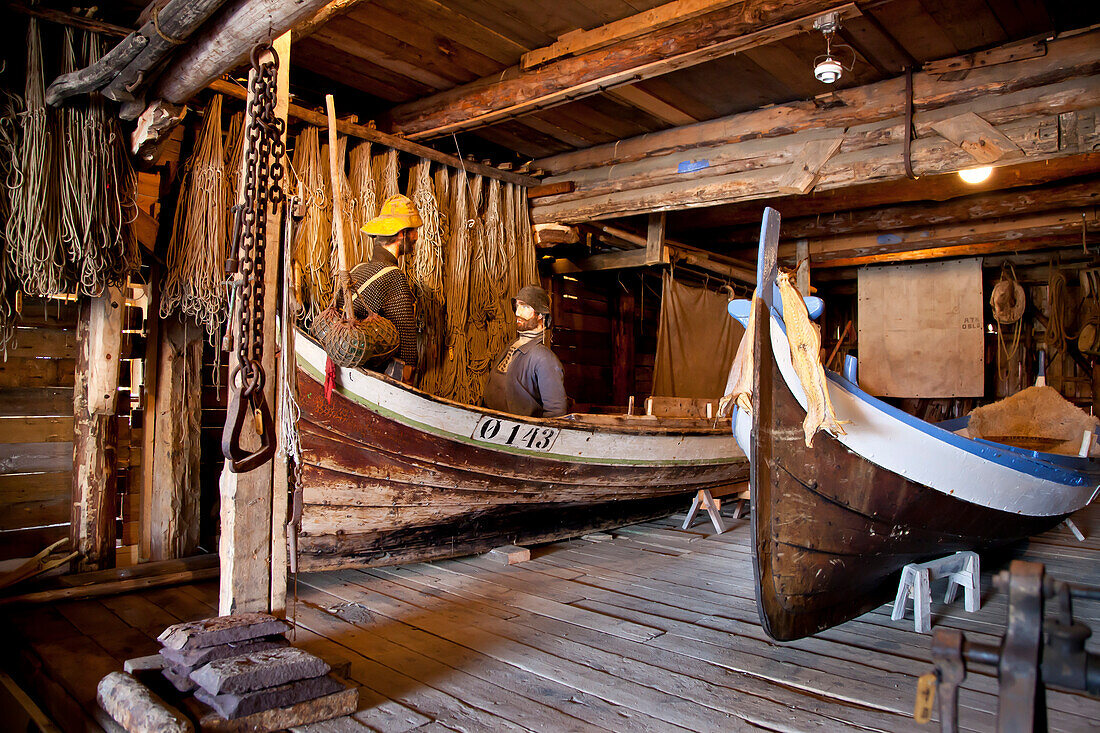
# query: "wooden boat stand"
[962,568]
[703,498]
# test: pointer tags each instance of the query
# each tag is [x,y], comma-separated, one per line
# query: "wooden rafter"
[686,44]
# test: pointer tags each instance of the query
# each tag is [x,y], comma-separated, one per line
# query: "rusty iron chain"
[262,197]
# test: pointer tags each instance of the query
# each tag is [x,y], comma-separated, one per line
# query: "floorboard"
[655,630]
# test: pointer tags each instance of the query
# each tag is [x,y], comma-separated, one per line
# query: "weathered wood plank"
[36,401]
[700,39]
[36,457]
[36,429]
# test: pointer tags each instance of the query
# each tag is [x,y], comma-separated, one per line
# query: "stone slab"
[221,630]
[180,677]
[258,670]
[192,659]
[331,706]
[230,705]
[137,665]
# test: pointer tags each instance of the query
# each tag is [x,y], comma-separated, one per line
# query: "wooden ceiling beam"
[650,104]
[514,92]
[983,249]
[1005,232]
[715,223]
[981,206]
[578,41]
[369,133]
[1065,58]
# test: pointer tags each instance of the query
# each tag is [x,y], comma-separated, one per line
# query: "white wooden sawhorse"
[962,568]
[703,499]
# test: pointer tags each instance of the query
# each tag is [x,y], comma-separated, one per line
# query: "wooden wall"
[36,429]
[605,333]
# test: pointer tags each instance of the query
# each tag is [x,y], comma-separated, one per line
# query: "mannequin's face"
[407,241]
[526,318]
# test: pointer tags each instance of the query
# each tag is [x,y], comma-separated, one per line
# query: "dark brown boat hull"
[832,530]
[376,492]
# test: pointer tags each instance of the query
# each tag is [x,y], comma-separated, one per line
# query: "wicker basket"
[354,342]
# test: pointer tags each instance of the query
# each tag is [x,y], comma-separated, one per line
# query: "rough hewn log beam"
[982,249]
[248,580]
[122,69]
[1030,119]
[174,421]
[1004,231]
[579,41]
[707,37]
[397,143]
[1065,58]
[740,223]
[226,41]
[990,205]
[95,469]
[76,21]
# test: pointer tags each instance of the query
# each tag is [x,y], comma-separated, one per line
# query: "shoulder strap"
[372,278]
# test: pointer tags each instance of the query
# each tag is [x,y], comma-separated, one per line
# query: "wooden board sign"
[921,330]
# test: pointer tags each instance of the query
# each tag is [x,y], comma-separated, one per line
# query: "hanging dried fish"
[195,281]
[37,255]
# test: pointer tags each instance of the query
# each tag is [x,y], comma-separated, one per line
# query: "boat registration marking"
[491,429]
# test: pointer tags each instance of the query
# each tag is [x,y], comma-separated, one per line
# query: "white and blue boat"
[833,524]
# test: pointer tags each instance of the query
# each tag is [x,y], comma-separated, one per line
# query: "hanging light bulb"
[976,175]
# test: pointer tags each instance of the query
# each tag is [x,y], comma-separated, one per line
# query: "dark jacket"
[533,385]
[389,296]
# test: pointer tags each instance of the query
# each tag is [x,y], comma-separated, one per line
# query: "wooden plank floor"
[654,630]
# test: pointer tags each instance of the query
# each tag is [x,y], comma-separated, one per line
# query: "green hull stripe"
[422,427]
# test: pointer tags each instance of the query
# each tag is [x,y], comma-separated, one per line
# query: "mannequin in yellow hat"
[378,284]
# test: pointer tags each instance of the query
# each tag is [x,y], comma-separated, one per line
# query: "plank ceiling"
[396,51]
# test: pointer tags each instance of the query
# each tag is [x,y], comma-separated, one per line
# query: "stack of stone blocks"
[242,666]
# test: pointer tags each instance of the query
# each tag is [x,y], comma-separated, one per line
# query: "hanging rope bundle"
[456,290]
[427,267]
[481,299]
[364,188]
[311,249]
[9,289]
[38,258]
[349,216]
[234,153]
[386,173]
[525,240]
[195,281]
[97,184]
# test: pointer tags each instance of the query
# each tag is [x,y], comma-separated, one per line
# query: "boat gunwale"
[645,426]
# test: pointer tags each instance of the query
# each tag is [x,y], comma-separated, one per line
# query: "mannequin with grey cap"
[528,378]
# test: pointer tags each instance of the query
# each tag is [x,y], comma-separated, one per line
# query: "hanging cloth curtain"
[696,342]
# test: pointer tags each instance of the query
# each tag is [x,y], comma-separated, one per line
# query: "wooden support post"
[655,239]
[95,438]
[252,516]
[802,264]
[622,349]
[173,420]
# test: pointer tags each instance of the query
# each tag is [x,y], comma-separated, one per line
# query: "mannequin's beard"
[529,324]
[405,248]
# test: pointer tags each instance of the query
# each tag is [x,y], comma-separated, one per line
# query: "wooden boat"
[834,524]
[392,474]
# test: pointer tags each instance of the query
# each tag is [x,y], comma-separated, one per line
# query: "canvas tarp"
[696,342]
